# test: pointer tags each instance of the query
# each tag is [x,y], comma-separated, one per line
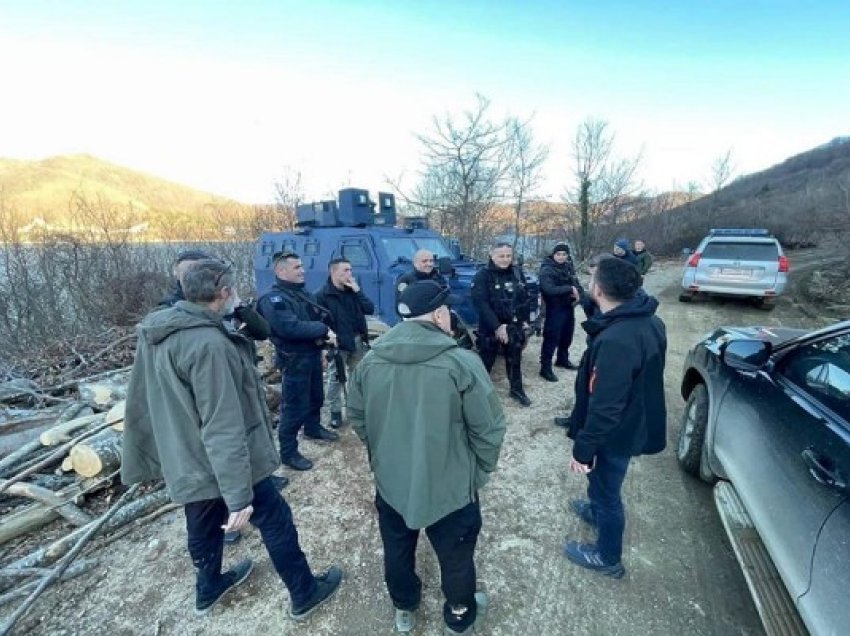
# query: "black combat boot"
[517,392]
[546,372]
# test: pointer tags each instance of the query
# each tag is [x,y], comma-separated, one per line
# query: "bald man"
[423,269]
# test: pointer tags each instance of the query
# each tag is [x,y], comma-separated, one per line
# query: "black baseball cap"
[423,297]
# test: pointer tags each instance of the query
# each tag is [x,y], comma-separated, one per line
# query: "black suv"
[767,420]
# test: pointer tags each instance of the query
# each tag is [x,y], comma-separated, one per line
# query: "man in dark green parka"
[196,416]
[433,426]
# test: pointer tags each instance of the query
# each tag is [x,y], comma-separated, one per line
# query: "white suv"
[737,262]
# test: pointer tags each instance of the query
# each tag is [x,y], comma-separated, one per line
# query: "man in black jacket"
[501,299]
[619,411]
[423,269]
[300,331]
[560,288]
[348,306]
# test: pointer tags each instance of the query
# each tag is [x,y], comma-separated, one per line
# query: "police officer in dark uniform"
[560,289]
[502,301]
[299,331]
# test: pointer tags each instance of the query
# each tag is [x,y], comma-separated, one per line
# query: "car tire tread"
[690,458]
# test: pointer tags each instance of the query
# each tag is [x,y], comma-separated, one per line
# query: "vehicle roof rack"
[727,231]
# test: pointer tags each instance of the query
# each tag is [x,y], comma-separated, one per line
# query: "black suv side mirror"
[746,355]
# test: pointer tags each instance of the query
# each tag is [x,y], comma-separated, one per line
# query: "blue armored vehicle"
[365,233]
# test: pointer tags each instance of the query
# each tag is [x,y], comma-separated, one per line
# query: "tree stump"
[98,454]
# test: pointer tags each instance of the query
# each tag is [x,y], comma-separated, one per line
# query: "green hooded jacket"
[196,413]
[430,418]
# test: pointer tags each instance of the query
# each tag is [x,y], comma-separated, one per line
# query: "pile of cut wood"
[60,457]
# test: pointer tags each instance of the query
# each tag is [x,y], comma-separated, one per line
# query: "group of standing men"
[424,407]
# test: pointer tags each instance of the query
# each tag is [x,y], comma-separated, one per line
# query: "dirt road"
[682,577]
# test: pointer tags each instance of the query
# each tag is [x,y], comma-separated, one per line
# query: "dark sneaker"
[297,462]
[230,580]
[547,374]
[336,419]
[482,601]
[520,396]
[327,584]
[563,422]
[566,365]
[584,511]
[323,433]
[232,537]
[587,556]
[279,481]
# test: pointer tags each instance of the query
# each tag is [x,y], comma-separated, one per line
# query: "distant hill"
[803,200]
[51,193]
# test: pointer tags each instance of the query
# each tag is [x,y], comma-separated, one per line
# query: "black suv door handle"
[823,470]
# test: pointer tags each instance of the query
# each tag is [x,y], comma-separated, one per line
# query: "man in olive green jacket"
[196,416]
[433,426]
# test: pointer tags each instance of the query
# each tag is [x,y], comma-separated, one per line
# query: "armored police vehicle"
[365,233]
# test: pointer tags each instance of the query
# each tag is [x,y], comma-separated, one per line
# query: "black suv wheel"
[692,432]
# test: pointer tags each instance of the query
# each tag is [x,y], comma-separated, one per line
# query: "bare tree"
[525,159]
[604,183]
[722,170]
[289,192]
[463,167]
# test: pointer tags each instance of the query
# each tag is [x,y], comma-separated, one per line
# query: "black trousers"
[558,330]
[273,517]
[303,395]
[489,347]
[453,538]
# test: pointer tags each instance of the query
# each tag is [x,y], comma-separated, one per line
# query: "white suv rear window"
[738,251]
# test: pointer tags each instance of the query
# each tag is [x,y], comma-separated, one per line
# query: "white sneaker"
[405,621]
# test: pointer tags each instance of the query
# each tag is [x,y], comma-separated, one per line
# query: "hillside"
[803,200]
[54,189]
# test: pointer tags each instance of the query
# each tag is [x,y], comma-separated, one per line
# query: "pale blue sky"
[223,95]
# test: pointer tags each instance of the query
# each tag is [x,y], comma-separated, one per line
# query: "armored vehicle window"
[403,248]
[357,254]
[288,246]
[311,248]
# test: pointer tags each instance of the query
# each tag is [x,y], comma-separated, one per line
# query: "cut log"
[18,456]
[22,591]
[24,521]
[49,554]
[105,393]
[61,433]
[60,502]
[116,413]
[67,466]
[98,454]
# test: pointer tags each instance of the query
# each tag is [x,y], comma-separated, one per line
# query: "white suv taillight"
[783,264]
[693,261]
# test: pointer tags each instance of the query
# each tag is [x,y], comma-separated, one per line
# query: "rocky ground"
[682,576]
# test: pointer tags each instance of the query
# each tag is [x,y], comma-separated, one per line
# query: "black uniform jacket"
[296,320]
[500,297]
[348,310]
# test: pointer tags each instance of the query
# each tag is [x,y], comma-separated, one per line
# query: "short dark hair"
[284,256]
[205,278]
[619,280]
[501,244]
[337,261]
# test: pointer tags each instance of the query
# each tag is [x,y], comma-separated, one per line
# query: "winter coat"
[253,324]
[644,261]
[348,310]
[500,297]
[196,413]
[556,283]
[620,383]
[298,323]
[430,418]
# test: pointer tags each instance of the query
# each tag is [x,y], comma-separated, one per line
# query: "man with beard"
[502,301]
[196,416]
[619,411]
[560,289]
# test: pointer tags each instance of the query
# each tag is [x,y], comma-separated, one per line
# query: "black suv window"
[823,369]
[741,251]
